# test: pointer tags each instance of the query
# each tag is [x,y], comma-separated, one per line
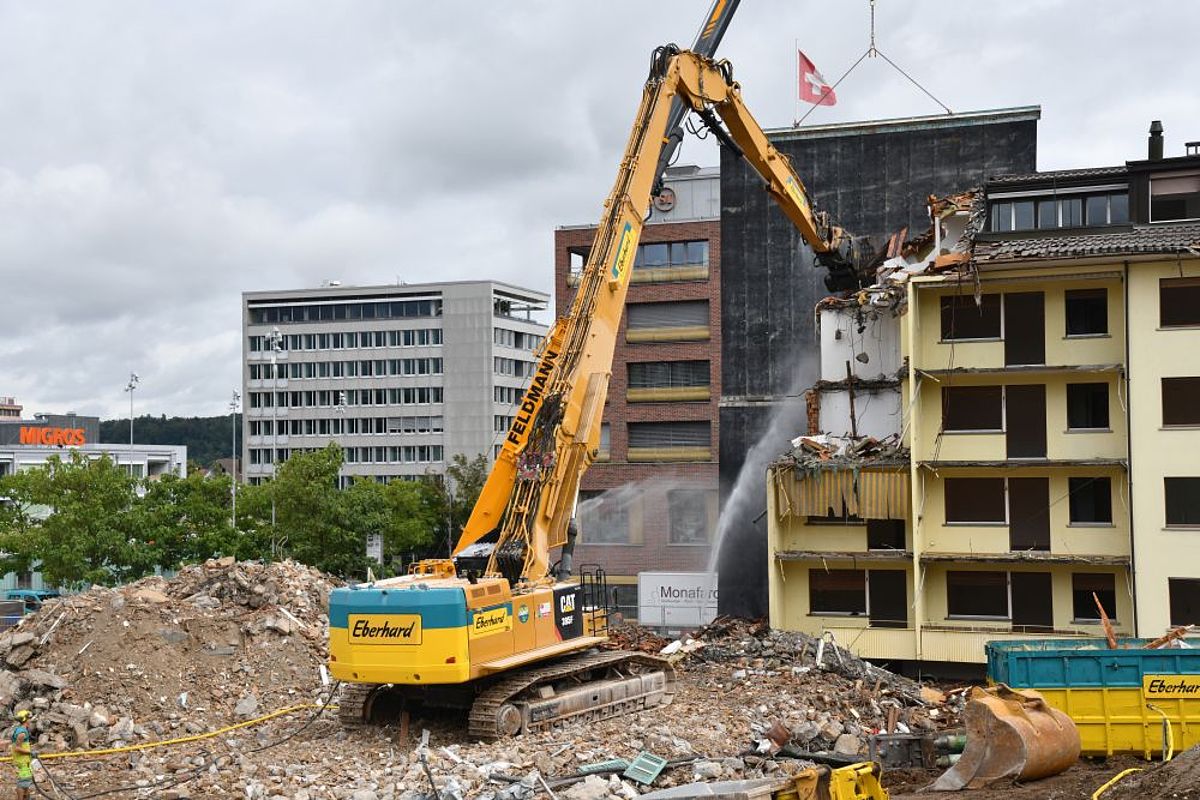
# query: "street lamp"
[129,387]
[273,340]
[233,407]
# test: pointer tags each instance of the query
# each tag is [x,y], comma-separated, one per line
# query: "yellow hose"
[181,740]
[1113,780]
[1168,734]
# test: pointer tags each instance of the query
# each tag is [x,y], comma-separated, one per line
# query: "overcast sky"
[158,159]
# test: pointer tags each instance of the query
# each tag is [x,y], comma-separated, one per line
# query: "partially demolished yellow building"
[1004,441]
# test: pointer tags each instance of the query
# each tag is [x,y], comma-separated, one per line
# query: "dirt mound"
[218,642]
[1179,779]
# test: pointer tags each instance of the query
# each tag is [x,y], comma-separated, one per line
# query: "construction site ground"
[223,644]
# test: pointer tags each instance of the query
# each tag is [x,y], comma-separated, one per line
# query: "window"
[1118,208]
[1176,197]
[669,435]
[1083,586]
[1002,217]
[605,448]
[962,318]
[1087,312]
[1106,209]
[837,592]
[667,374]
[1013,216]
[673,254]
[1091,500]
[1062,212]
[1047,213]
[689,516]
[1180,401]
[683,315]
[603,517]
[1183,502]
[972,408]
[1178,302]
[975,500]
[885,534]
[577,259]
[977,595]
[1185,600]
[1087,406]
[330,312]
[1070,212]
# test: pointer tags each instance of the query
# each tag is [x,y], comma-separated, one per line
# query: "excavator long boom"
[530,494]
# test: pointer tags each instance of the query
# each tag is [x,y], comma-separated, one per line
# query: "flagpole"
[796,95]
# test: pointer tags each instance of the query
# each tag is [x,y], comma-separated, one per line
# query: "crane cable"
[871,52]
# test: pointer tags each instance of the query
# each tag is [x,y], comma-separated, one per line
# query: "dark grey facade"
[874,179]
[10,430]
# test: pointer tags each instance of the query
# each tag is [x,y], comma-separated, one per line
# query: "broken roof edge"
[927,122]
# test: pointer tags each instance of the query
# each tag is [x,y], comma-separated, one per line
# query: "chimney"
[1156,141]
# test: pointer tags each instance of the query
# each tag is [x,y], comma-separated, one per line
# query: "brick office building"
[649,503]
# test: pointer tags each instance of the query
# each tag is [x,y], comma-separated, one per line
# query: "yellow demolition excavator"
[517,644]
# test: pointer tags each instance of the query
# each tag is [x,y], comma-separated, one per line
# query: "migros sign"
[52,437]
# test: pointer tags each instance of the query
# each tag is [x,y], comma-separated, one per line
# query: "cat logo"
[566,604]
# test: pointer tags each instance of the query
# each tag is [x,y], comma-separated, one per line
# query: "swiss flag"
[813,86]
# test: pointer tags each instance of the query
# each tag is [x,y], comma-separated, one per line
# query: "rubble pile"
[225,642]
[217,643]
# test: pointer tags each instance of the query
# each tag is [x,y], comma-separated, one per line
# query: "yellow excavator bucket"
[1011,734]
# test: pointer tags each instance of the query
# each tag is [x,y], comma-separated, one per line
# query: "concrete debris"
[161,658]
[220,650]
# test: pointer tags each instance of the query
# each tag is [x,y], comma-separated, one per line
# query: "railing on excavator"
[594,583]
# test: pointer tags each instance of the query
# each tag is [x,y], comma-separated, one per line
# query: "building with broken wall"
[1051,410]
[872,177]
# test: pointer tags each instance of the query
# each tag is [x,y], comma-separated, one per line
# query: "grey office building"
[403,377]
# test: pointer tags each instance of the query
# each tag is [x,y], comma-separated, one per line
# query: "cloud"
[157,160]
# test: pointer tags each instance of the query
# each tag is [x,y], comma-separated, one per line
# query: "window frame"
[959,298]
[960,523]
[1185,491]
[1107,408]
[813,611]
[974,580]
[676,495]
[1081,295]
[1095,480]
[1076,619]
[1166,284]
[1150,197]
[1178,404]
[948,405]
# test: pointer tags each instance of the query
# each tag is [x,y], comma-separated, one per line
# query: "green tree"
[188,519]
[403,512]
[458,492]
[310,525]
[74,522]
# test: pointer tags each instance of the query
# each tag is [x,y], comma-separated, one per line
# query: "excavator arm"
[529,496]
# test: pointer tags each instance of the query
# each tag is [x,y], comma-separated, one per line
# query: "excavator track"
[352,703]
[633,682]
